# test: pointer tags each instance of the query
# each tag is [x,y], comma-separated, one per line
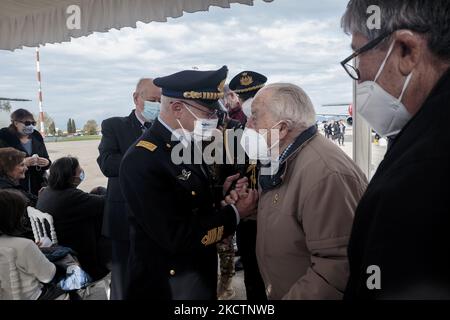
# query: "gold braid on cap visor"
[203,95]
[249,89]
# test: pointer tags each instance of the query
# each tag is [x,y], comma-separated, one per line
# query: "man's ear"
[176,108]
[411,50]
[284,130]
[135,97]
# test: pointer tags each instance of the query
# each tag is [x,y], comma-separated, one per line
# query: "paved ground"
[87,153]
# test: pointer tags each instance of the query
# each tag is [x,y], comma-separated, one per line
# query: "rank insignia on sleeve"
[185,175]
[147,145]
[213,236]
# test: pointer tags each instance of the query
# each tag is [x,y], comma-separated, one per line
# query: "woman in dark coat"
[22,136]
[12,171]
[77,216]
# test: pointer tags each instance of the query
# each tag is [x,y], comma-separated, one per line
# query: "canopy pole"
[362,137]
[41,111]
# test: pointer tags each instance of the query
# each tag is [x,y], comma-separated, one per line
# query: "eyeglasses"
[352,71]
[210,115]
[28,123]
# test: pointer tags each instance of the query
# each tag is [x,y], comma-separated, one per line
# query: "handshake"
[245,200]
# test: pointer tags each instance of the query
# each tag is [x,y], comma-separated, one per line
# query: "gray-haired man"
[399,247]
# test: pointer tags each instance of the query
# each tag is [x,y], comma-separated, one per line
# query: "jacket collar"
[164,137]
[11,138]
[134,120]
[269,182]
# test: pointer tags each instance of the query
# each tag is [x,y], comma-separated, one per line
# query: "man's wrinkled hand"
[247,203]
[241,184]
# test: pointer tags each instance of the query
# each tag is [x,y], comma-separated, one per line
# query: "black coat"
[402,223]
[6,183]
[77,218]
[118,135]
[34,177]
[174,225]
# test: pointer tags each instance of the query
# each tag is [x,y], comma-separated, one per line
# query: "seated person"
[12,170]
[33,267]
[77,215]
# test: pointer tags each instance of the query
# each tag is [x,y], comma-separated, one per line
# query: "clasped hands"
[244,199]
[36,161]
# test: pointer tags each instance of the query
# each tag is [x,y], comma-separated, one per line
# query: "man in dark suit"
[119,133]
[399,247]
[175,224]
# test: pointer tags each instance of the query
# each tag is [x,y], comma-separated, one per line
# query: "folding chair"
[37,219]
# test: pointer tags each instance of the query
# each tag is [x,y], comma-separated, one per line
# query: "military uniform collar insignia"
[185,175]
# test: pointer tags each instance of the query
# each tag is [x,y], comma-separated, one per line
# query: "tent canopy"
[34,22]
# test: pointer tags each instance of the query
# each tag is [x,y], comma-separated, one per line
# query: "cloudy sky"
[93,77]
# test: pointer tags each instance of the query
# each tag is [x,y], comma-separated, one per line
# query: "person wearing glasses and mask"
[23,136]
[399,247]
[118,134]
[175,224]
[77,215]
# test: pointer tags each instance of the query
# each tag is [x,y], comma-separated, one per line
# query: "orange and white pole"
[41,111]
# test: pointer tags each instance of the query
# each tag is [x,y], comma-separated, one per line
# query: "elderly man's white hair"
[289,102]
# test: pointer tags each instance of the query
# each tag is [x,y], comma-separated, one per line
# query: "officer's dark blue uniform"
[174,221]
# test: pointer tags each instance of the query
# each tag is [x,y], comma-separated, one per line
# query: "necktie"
[147,125]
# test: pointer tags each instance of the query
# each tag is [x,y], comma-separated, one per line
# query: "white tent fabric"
[34,22]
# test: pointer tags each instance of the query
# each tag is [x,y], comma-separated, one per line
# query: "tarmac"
[87,153]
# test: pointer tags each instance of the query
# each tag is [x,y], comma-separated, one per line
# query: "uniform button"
[172,272]
[168,146]
[214,205]
[194,194]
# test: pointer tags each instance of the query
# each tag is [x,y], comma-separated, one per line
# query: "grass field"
[67,139]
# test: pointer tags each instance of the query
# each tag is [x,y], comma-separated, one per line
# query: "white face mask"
[386,114]
[204,128]
[247,108]
[255,145]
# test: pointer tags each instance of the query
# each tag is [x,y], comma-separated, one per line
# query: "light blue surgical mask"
[79,179]
[151,110]
[82,175]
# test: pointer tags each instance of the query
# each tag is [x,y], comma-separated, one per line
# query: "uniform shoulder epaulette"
[147,145]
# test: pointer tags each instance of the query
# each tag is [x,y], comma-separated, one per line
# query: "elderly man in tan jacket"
[306,208]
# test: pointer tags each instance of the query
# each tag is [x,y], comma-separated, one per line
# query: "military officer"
[174,223]
[247,84]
